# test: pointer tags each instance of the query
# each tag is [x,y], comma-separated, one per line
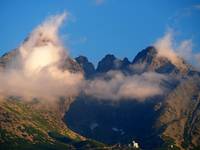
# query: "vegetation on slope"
[24,126]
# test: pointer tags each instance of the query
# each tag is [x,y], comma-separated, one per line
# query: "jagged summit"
[149,60]
[145,56]
[145,60]
[107,63]
[126,61]
[87,66]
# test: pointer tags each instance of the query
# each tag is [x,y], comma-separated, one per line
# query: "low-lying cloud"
[116,86]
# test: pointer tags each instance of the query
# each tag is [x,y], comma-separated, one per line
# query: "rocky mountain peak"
[126,61]
[87,66]
[148,60]
[82,59]
[109,62]
[146,55]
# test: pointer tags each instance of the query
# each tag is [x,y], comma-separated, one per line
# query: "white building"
[135,144]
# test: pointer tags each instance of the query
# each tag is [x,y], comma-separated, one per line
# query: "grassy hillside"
[25,126]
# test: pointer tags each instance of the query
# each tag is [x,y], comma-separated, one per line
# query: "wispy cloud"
[169,48]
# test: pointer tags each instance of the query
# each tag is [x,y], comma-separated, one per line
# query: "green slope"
[24,125]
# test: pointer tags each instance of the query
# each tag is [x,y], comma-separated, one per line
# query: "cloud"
[168,48]
[164,45]
[117,86]
[185,50]
[36,72]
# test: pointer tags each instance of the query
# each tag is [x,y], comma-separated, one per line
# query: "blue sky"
[99,27]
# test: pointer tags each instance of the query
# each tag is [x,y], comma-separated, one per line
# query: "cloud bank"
[116,86]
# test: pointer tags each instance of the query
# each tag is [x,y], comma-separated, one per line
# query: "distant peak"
[146,54]
[110,56]
[125,60]
[81,59]
[87,66]
[107,63]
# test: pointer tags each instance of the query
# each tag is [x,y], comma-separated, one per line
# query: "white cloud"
[164,45]
[117,86]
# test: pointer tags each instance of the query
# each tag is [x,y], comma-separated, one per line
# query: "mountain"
[168,121]
[164,121]
[40,126]
[147,60]
[34,125]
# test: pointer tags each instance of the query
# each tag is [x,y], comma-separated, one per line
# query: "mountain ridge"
[157,107]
